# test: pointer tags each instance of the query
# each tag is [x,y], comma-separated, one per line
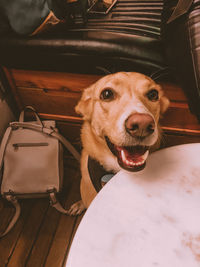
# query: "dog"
[121,115]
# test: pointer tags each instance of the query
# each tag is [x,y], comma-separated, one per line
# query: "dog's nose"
[140,125]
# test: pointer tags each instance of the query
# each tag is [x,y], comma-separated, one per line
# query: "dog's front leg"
[87,189]
[77,208]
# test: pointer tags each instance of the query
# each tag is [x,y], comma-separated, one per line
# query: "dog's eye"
[107,94]
[153,95]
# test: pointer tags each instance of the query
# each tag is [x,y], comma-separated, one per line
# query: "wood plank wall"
[55,94]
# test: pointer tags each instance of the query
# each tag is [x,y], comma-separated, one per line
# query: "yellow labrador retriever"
[121,115]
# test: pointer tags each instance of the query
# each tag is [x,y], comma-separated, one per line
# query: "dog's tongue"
[133,156]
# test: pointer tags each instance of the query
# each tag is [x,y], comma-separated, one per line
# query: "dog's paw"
[76,209]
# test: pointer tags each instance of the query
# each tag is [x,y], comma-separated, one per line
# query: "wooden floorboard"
[64,229]
[29,234]
[42,235]
[38,254]
[8,243]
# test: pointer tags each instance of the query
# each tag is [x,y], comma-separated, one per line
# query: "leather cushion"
[127,39]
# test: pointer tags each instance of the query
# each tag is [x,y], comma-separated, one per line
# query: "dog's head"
[123,110]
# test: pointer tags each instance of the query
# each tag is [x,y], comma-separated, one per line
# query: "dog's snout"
[140,125]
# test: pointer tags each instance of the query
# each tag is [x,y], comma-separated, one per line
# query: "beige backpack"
[31,162]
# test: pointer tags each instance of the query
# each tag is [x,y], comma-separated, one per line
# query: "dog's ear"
[85,105]
[164,104]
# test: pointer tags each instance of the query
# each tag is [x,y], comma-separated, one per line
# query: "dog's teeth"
[145,156]
[139,163]
[131,163]
[123,155]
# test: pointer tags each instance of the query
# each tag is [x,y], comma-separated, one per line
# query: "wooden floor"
[42,236]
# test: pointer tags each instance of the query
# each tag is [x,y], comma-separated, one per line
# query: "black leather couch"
[127,39]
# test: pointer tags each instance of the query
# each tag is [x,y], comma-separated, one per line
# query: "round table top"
[145,219]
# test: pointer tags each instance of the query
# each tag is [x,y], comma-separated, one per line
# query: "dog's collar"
[96,172]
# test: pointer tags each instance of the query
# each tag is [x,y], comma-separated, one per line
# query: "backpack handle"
[22,114]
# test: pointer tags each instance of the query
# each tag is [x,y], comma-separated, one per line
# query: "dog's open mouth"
[131,158]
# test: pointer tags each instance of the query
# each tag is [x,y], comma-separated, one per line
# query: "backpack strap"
[9,197]
[67,144]
[3,145]
[49,131]
[14,219]
[56,204]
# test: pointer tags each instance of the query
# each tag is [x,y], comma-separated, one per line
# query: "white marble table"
[145,219]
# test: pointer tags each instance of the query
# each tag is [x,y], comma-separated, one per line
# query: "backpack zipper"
[17,145]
